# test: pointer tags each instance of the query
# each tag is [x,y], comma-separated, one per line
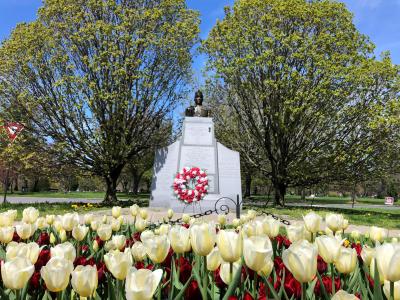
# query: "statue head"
[198,98]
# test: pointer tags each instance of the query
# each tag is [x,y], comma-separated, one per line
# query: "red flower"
[43,258]
[322,266]
[358,248]
[292,286]
[84,248]
[16,237]
[44,239]
[139,265]
[235,298]
[193,291]
[99,241]
[185,269]
[279,265]
[80,261]
[168,259]
[34,282]
[247,296]
[327,281]
[136,236]
[101,269]
[282,240]
[217,279]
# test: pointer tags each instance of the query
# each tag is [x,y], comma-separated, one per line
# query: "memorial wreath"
[190,184]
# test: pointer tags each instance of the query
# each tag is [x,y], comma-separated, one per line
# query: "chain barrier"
[221,209]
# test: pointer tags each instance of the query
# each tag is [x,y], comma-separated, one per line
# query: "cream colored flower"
[312,222]
[29,251]
[301,260]
[346,260]
[157,248]
[16,272]
[30,215]
[118,263]
[56,273]
[79,232]
[84,280]
[179,237]
[138,251]
[142,284]
[202,238]
[256,251]
[65,250]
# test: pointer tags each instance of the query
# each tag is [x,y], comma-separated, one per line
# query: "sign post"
[389,200]
[13,129]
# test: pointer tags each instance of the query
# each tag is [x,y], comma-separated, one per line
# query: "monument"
[197,147]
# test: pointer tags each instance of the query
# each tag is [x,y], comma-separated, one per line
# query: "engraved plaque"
[198,134]
[202,157]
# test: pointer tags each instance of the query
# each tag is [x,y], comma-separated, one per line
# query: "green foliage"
[305,87]
[99,77]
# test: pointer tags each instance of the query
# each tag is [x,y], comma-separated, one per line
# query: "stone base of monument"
[197,148]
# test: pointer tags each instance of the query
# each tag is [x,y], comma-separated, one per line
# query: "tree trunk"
[16,183]
[111,182]
[111,193]
[35,185]
[247,190]
[280,191]
[137,177]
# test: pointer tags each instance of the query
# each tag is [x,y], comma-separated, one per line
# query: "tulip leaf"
[24,291]
[310,290]
[322,287]
[272,290]
[235,282]
[354,278]
[176,282]
[377,284]
[182,291]
[364,291]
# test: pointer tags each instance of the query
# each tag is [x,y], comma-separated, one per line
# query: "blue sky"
[379,19]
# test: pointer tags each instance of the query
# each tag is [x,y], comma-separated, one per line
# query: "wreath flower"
[190,184]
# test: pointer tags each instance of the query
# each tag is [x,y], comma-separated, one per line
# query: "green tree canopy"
[99,76]
[305,86]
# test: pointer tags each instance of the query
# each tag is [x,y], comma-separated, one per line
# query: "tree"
[101,76]
[303,81]
[229,131]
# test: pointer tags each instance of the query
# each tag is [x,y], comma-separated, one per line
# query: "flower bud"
[170,213]
[202,238]
[157,248]
[104,232]
[118,263]
[214,259]
[84,280]
[312,222]
[138,251]
[30,215]
[79,232]
[142,284]
[346,261]
[230,245]
[301,260]
[56,273]
[116,211]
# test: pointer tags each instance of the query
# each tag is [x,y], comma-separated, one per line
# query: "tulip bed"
[80,257]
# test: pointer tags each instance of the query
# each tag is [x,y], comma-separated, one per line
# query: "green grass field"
[326,200]
[74,195]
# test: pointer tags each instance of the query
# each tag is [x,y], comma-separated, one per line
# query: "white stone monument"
[197,147]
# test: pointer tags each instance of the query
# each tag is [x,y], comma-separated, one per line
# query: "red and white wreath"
[190,184]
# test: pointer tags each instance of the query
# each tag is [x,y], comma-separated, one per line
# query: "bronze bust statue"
[199,110]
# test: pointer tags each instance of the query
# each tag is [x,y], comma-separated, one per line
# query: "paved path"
[347,206]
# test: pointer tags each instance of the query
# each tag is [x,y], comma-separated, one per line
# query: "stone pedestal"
[196,147]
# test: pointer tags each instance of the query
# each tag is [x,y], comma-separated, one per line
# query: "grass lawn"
[74,195]
[326,200]
[359,216]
